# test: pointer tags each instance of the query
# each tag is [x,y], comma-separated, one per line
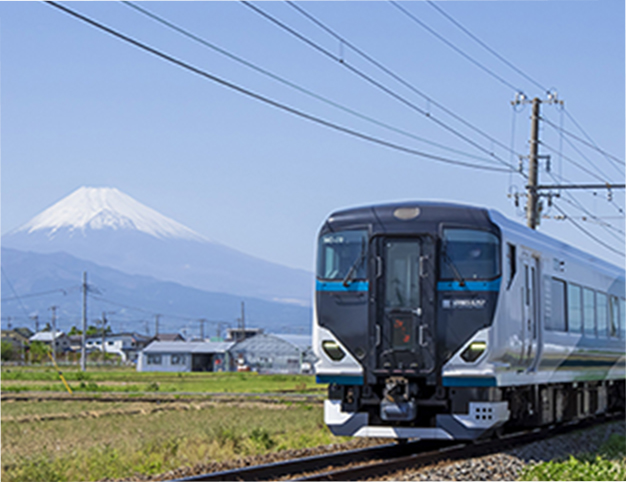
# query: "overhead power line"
[284,81]
[614,160]
[278,105]
[18,297]
[590,142]
[486,47]
[398,79]
[455,48]
[595,238]
[374,82]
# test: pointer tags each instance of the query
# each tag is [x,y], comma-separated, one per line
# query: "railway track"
[376,461]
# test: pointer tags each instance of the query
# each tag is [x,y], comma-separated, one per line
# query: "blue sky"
[81,108]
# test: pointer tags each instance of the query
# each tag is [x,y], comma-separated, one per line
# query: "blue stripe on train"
[340,379]
[339,286]
[469,382]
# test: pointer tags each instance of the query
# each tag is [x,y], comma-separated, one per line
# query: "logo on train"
[464,303]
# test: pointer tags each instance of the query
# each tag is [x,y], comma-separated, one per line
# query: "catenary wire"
[509,64]
[455,48]
[571,118]
[34,295]
[284,81]
[576,204]
[591,164]
[595,238]
[486,47]
[267,100]
[396,77]
[616,162]
[577,164]
[372,81]
[19,298]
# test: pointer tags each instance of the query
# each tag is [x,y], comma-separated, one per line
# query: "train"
[445,321]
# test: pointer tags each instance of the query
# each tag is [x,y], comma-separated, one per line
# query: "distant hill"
[131,301]
[108,227]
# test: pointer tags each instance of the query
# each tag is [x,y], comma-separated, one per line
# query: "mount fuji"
[109,228]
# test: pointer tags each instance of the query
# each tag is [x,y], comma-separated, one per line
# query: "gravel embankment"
[508,464]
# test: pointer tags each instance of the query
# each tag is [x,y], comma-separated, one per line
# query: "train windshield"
[469,254]
[342,255]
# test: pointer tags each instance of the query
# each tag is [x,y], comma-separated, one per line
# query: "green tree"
[7,350]
[38,351]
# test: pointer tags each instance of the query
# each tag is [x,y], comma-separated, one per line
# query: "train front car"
[401,291]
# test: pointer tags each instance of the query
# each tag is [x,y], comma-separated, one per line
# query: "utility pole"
[156,325]
[83,352]
[242,321]
[532,208]
[202,320]
[104,350]
[36,319]
[54,333]
[533,205]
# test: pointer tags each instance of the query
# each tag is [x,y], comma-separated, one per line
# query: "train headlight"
[333,350]
[473,352]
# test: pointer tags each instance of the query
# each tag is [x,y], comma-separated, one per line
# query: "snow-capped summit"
[111,229]
[100,208]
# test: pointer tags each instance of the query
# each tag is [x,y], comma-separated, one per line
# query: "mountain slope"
[111,229]
[134,300]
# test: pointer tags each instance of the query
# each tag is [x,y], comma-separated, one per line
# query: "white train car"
[443,321]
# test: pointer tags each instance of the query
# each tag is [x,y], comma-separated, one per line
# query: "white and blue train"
[443,321]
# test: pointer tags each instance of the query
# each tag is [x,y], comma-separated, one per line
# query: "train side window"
[622,318]
[574,308]
[512,258]
[589,312]
[557,319]
[602,314]
[613,317]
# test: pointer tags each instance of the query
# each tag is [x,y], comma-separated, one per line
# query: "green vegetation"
[123,445]
[608,464]
[57,440]
[127,379]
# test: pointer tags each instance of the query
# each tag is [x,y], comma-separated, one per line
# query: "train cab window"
[557,320]
[574,308]
[613,317]
[589,312]
[342,255]
[469,254]
[602,314]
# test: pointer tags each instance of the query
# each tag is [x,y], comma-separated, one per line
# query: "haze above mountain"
[110,228]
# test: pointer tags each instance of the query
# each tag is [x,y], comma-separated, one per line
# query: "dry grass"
[122,445]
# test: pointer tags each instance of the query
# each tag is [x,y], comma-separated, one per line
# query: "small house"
[188,356]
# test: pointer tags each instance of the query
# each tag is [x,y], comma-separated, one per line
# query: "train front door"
[405,318]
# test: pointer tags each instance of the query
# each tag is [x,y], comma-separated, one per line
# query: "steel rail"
[383,459]
[457,452]
[315,463]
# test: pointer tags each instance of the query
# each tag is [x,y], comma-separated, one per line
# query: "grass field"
[16,379]
[92,440]
[608,464]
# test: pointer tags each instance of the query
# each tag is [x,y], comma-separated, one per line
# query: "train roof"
[431,214]
[393,217]
[538,239]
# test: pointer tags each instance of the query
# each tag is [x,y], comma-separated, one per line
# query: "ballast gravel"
[507,465]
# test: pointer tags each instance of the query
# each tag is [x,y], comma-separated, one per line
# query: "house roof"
[169,337]
[188,347]
[46,336]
